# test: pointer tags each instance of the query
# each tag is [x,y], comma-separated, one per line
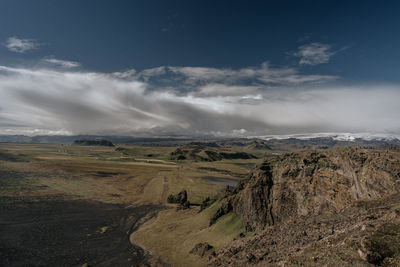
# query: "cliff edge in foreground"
[318,208]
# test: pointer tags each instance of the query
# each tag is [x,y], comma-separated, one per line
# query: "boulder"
[179,198]
[201,249]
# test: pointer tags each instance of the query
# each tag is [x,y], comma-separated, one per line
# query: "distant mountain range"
[69,139]
[334,136]
[272,142]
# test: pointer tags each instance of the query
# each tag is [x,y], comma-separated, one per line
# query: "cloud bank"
[190,101]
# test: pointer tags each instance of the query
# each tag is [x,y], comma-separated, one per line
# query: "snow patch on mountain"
[334,136]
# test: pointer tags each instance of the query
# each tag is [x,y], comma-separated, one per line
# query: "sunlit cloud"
[123,103]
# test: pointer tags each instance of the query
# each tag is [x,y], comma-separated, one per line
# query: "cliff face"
[310,183]
[301,200]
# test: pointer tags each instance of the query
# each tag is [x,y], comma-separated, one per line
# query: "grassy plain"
[132,175]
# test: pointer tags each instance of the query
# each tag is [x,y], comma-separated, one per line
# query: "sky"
[199,68]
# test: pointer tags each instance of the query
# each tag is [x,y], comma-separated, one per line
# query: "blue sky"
[110,36]
[208,59]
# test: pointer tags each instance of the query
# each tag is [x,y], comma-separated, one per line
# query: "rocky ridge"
[300,201]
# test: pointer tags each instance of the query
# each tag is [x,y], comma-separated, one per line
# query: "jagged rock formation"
[179,198]
[311,183]
[300,200]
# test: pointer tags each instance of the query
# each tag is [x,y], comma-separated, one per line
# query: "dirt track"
[52,231]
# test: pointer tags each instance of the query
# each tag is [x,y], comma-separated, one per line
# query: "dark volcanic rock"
[180,198]
[225,208]
[184,206]
[201,249]
[206,203]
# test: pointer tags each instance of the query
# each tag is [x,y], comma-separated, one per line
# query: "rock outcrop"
[201,249]
[330,208]
[179,198]
[311,183]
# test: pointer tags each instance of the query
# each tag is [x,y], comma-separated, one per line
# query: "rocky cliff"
[297,200]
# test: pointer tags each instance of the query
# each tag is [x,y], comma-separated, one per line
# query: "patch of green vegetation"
[229,224]
[212,209]
[13,182]
[6,156]
[137,174]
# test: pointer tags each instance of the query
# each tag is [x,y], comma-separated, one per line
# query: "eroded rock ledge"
[300,200]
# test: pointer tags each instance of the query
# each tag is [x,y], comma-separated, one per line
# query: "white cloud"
[215,89]
[62,101]
[62,63]
[314,53]
[197,76]
[124,74]
[19,45]
[241,132]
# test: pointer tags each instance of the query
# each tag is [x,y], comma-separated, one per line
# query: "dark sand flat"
[53,231]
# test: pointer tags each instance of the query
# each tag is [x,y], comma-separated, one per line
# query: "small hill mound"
[209,144]
[259,145]
[201,153]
